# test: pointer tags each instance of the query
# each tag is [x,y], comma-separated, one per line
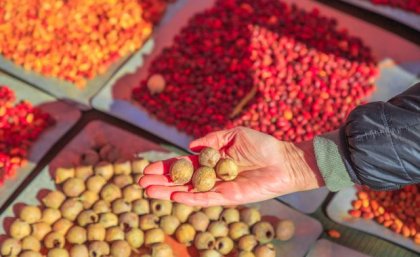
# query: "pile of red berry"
[20,126]
[397,210]
[408,5]
[261,64]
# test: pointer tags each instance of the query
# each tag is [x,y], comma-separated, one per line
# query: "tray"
[308,229]
[65,90]
[115,98]
[65,115]
[326,248]
[410,19]
[337,210]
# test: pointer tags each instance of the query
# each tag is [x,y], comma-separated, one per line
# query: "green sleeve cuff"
[330,163]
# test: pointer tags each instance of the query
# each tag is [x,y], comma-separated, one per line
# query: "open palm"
[268,168]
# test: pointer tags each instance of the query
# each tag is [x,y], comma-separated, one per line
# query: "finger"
[200,199]
[165,192]
[163,167]
[217,140]
[151,180]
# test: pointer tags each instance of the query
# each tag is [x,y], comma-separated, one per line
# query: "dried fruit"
[122,167]
[213,212]
[31,243]
[204,179]
[83,172]
[104,169]
[263,232]
[162,250]
[199,221]
[210,253]
[247,243]
[148,221]
[185,234]
[54,199]
[50,215]
[122,180]
[101,206]
[132,193]
[79,251]
[129,220]
[224,245]
[141,207]
[95,183]
[204,240]
[40,230]
[285,230]
[161,207]
[250,216]
[181,171]
[19,229]
[226,169]
[208,157]
[88,198]
[54,240]
[169,224]
[153,236]
[114,234]
[73,187]
[96,232]
[138,165]
[61,226]
[218,229]
[71,208]
[120,206]
[182,211]
[246,254]
[62,174]
[98,249]
[156,84]
[265,251]
[237,230]
[30,214]
[135,237]
[120,248]
[10,247]
[230,215]
[76,235]
[30,254]
[108,219]
[110,192]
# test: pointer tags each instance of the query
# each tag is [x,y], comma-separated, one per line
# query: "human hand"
[267,168]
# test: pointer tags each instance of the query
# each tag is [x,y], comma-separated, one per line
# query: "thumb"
[216,140]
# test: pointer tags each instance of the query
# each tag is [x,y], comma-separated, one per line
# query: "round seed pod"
[84,172]
[54,199]
[237,230]
[247,243]
[71,208]
[95,183]
[181,171]
[230,215]
[218,229]
[79,251]
[58,252]
[226,169]
[62,226]
[50,215]
[110,192]
[132,193]
[148,221]
[266,250]
[30,214]
[19,229]
[120,248]
[250,216]
[204,179]
[153,236]
[224,245]
[120,206]
[122,180]
[90,157]
[108,219]
[11,247]
[169,224]
[101,206]
[54,240]
[98,249]
[30,254]
[156,84]
[161,207]
[141,207]
[40,230]
[73,187]
[87,217]
[31,243]
[114,234]
[285,230]
[182,212]
[122,167]
[185,234]
[135,238]
[246,254]
[210,253]
[199,221]
[162,250]
[209,157]
[204,240]
[62,174]
[88,198]
[76,235]
[96,232]
[263,232]
[129,220]
[104,169]
[213,212]
[138,165]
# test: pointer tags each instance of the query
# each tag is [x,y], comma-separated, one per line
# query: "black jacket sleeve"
[382,142]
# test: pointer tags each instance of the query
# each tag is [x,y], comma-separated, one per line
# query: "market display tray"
[115,98]
[307,229]
[65,116]
[338,209]
[326,248]
[410,19]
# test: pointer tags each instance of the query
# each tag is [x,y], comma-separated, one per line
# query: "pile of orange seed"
[73,40]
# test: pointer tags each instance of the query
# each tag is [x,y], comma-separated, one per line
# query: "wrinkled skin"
[267,168]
